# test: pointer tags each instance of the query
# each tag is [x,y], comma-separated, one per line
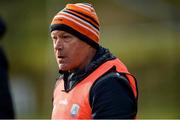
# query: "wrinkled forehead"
[58,32]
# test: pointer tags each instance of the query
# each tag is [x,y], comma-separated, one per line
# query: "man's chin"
[62,69]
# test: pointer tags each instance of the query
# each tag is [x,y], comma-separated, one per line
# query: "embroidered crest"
[74,110]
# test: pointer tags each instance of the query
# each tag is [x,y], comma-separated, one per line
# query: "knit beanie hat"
[79,19]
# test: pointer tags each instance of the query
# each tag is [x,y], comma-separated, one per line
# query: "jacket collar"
[71,79]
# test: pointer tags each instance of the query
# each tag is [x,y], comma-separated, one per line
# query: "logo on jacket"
[63,102]
[74,110]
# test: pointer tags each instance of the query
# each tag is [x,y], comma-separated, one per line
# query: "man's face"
[71,53]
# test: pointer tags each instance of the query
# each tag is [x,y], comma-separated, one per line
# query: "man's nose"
[58,44]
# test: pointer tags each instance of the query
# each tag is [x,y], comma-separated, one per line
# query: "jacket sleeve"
[112,97]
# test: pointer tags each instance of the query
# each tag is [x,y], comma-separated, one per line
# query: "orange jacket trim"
[75,103]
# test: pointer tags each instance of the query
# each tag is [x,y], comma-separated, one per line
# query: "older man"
[93,83]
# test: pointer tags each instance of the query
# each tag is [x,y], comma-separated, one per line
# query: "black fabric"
[2,27]
[82,19]
[87,16]
[6,106]
[101,56]
[75,33]
[111,95]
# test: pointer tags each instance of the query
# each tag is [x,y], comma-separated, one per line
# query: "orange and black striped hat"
[79,19]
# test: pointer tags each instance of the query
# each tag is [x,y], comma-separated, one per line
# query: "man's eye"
[66,36]
[54,37]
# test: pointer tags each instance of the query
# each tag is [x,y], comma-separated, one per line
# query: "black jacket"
[111,95]
[6,106]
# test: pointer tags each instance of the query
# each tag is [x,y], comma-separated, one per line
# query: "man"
[93,83]
[6,106]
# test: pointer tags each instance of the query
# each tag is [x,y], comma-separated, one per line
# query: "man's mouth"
[61,59]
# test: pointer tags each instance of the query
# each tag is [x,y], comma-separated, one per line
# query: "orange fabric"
[88,19]
[82,18]
[80,22]
[84,11]
[63,103]
[132,84]
[78,97]
[76,27]
[130,77]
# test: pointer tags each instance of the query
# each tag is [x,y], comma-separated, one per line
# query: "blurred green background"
[144,34]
